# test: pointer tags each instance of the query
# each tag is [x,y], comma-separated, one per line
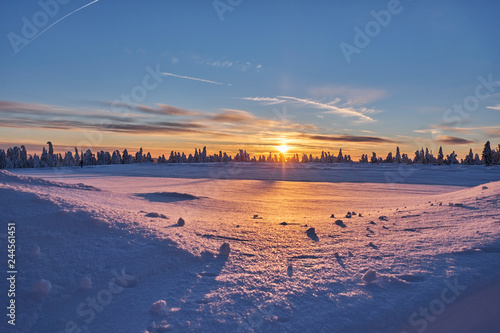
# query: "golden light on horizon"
[283,148]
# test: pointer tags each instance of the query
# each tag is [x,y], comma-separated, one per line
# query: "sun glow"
[283,148]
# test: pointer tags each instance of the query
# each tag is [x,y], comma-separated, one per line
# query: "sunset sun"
[283,148]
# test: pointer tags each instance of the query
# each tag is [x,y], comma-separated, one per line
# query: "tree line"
[17,157]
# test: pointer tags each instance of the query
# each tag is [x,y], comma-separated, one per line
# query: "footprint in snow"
[340,223]
[156,215]
[311,233]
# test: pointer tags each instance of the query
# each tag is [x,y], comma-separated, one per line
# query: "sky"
[364,76]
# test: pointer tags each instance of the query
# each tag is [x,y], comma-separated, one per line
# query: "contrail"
[50,26]
[194,78]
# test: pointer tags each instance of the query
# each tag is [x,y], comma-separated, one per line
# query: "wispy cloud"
[265,100]
[225,63]
[343,111]
[493,132]
[495,107]
[27,115]
[331,107]
[132,128]
[34,110]
[427,130]
[348,138]
[453,140]
[485,131]
[195,79]
[233,116]
[161,109]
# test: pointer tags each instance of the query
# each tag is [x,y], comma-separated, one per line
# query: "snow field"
[275,278]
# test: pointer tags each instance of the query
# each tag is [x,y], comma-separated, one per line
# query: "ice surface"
[275,278]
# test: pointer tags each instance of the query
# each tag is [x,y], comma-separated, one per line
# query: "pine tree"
[487,154]
[77,157]
[477,160]
[469,159]
[3,159]
[340,157]
[398,155]
[389,158]
[440,159]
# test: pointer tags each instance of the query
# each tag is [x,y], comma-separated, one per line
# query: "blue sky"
[272,73]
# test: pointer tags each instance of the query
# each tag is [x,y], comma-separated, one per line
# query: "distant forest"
[17,157]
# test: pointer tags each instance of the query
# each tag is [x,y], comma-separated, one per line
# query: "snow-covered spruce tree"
[398,156]
[469,158]
[138,156]
[440,158]
[496,156]
[487,154]
[24,157]
[389,158]
[89,158]
[477,160]
[21,160]
[14,158]
[429,158]
[77,157]
[340,157]
[51,158]
[126,158]
[204,154]
[196,156]
[103,158]
[405,159]
[417,158]
[68,159]
[282,158]
[451,159]
[116,158]
[44,159]
[36,162]
[374,158]
[30,161]
[269,158]
[3,159]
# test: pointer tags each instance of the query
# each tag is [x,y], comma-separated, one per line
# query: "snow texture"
[89,258]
